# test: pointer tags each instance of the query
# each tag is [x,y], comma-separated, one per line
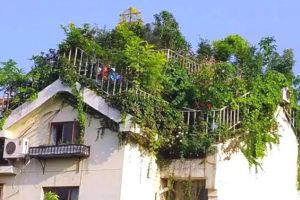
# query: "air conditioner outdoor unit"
[15,148]
[286,95]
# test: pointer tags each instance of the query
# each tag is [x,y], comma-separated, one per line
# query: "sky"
[33,26]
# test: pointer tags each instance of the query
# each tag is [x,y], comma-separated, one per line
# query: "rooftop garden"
[179,97]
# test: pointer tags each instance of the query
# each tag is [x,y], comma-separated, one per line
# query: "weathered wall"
[276,181]
[140,178]
[98,176]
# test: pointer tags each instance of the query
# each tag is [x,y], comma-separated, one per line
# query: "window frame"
[1,191]
[74,140]
[68,188]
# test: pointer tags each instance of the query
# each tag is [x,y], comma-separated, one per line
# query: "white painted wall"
[110,173]
[277,181]
[141,179]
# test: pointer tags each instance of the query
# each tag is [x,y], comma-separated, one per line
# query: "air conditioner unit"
[15,148]
[286,95]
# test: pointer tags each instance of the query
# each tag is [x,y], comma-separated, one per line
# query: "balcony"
[59,151]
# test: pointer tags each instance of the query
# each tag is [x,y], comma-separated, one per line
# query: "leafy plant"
[235,67]
[51,196]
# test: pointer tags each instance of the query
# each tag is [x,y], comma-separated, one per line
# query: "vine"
[69,76]
[234,68]
[5,115]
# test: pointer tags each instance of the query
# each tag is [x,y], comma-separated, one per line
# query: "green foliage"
[121,47]
[232,45]
[10,75]
[14,83]
[51,196]
[205,50]
[177,86]
[5,115]
[259,115]
[144,65]
[80,113]
[274,61]
[159,120]
[238,68]
[268,48]
[166,29]
[82,38]
[219,84]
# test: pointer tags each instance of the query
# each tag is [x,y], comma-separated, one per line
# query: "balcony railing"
[186,62]
[215,118]
[112,82]
[59,151]
[290,116]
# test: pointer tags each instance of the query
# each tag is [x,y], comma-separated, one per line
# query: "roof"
[89,97]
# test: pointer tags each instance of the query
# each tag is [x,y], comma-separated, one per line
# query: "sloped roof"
[89,97]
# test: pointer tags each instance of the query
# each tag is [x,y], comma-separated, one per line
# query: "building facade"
[41,152]
[100,168]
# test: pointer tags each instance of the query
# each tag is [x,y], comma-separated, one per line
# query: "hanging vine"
[236,68]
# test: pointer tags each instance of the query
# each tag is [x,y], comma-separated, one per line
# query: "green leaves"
[15,83]
[258,115]
[166,29]
[144,64]
[231,67]
[177,85]
[51,196]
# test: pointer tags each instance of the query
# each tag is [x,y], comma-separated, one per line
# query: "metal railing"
[61,151]
[212,119]
[112,82]
[290,116]
[106,77]
[188,63]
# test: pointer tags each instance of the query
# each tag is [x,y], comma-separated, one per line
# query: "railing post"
[168,54]
[188,118]
[75,57]
[213,123]
[80,61]
[70,54]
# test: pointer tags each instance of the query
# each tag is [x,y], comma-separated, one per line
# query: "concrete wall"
[141,178]
[235,180]
[98,176]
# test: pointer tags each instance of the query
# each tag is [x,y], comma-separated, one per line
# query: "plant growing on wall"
[238,68]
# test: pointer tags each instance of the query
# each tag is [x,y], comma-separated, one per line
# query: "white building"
[99,169]
[103,169]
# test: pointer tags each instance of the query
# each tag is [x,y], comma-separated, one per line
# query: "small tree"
[51,196]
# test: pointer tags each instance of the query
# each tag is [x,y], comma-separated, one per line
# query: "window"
[183,189]
[64,133]
[1,191]
[2,160]
[64,193]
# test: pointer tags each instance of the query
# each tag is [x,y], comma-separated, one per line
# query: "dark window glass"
[65,133]
[1,191]
[2,160]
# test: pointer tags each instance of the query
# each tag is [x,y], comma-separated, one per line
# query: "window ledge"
[8,170]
